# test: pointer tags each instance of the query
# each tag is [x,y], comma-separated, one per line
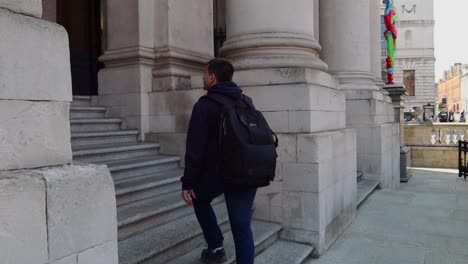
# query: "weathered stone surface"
[102,254]
[169,123]
[123,80]
[301,177]
[315,121]
[68,260]
[259,77]
[34,134]
[287,149]
[296,97]
[35,59]
[278,121]
[180,102]
[81,209]
[23,230]
[27,7]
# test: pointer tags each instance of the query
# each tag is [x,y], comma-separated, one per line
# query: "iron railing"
[462,162]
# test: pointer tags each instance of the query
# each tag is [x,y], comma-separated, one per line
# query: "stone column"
[346,40]
[154,48]
[183,45]
[125,81]
[376,45]
[277,63]
[398,94]
[52,211]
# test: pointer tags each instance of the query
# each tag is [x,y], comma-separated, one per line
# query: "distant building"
[415,60]
[464,89]
[449,88]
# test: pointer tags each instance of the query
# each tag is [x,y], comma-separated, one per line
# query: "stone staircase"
[364,188]
[155,225]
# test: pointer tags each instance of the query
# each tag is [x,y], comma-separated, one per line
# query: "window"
[409,82]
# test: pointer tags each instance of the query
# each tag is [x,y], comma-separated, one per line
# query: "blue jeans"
[239,206]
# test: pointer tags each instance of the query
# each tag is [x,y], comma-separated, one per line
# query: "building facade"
[449,89]
[464,90]
[142,61]
[414,59]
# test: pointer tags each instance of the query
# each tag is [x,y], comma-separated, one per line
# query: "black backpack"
[247,144]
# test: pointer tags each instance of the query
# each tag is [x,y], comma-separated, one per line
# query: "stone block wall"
[63,214]
[372,115]
[314,193]
[35,91]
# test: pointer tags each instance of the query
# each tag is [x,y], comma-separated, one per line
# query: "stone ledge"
[26,7]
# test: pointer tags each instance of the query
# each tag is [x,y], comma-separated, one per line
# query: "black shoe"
[208,257]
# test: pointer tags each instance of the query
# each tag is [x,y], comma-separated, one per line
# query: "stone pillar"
[52,212]
[277,64]
[375,41]
[35,91]
[398,94]
[368,109]
[183,45]
[154,48]
[125,81]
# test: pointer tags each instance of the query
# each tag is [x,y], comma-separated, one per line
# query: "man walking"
[201,181]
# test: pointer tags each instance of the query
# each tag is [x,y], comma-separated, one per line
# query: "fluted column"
[273,46]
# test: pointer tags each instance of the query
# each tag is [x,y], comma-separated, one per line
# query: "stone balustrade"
[435,146]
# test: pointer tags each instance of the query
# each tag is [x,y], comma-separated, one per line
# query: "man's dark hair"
[222,69]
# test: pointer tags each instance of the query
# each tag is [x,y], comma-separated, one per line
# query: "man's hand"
[188,196]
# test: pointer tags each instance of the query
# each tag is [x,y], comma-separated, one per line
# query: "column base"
[378,153]
[273,50]
[405,156]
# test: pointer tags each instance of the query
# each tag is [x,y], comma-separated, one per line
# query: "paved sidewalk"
[426,221]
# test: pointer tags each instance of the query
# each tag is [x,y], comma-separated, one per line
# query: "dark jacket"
[202,150]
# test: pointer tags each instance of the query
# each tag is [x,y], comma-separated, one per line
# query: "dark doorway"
[82,20]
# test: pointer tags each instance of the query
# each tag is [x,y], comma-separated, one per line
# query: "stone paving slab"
[425,222]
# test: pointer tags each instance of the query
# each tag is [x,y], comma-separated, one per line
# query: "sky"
[451,34]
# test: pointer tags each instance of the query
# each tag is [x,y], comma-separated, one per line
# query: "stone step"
[163,243]
[265,234]
[284,252]
[364,189]
[141,215]
[82,139]
[145,186]
[81,100]
[128,168]
[87,112]
[136,217]
[106,153]
[95,124]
